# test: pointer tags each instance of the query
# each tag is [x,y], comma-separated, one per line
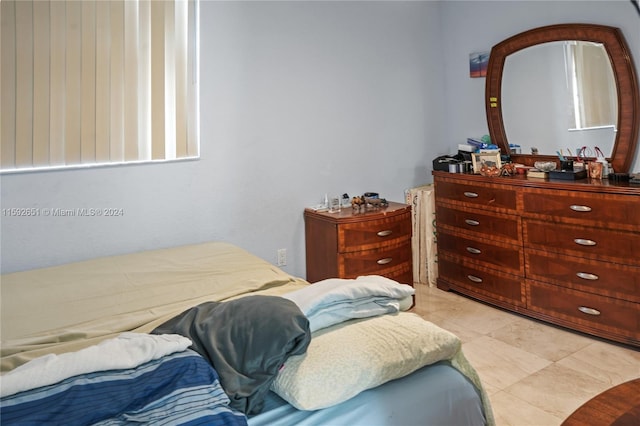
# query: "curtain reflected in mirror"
[592,86]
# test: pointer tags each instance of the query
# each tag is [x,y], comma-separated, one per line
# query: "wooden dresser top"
[348,214]
[587,185]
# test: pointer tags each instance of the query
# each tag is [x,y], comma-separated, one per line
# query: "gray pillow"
[246,341]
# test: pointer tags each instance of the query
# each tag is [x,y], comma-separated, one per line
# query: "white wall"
[297,99]
[475,26]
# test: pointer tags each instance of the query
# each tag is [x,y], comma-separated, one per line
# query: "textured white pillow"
[348,358]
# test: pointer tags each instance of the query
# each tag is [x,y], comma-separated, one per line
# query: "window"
[91,82]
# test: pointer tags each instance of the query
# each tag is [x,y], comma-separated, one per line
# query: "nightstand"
[351,243]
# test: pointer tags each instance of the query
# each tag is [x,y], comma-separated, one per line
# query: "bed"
[211,334]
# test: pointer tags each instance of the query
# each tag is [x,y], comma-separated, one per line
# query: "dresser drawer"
[370,234]
[494,255]
[477,195]
[592,276]
[610,211]
[583,241]
[587,311]
[374,262]
[483,281]
[492,226]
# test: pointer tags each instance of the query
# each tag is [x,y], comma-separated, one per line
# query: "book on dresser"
[538,174]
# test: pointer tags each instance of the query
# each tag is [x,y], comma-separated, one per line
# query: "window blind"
[97,82]
[592,86]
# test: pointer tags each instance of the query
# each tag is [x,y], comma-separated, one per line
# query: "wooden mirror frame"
[626,141]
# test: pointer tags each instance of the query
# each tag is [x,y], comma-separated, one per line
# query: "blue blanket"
[178,389]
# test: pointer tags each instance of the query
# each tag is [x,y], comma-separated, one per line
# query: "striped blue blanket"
[177,389]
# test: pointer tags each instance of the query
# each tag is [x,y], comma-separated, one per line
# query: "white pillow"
[336,300]
[348,358]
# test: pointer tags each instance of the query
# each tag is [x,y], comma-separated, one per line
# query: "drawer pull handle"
[583,242]
[384,261]
[385,233]
[474,278]
[473,250]
[589,311]
[577,208]
[471,222]
[471,194]
[587,276]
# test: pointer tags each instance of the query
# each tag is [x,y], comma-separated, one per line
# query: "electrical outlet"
[282,257]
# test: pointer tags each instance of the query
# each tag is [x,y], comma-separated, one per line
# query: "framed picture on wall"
[478,62]
[486,162]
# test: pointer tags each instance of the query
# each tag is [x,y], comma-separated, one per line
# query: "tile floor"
[535,374]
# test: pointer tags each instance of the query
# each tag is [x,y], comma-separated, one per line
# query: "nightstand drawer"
[489,283]
[601,313]
[583,241]
[492,226]
[611,211]
[592,276]
[494,255]
[403,274]
[477,195]
[374,262]
[370,234]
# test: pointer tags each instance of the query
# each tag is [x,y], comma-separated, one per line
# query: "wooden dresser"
[566,252]
[350,243]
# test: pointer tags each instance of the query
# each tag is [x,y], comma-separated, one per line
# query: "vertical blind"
[94,82]
[592,84]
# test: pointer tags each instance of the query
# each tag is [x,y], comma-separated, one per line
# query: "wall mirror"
[562,87]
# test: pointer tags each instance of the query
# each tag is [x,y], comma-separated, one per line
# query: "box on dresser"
[558,251]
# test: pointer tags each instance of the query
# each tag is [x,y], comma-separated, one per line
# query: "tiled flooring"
[535,374]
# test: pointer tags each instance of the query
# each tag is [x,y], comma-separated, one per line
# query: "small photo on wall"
[478,62]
